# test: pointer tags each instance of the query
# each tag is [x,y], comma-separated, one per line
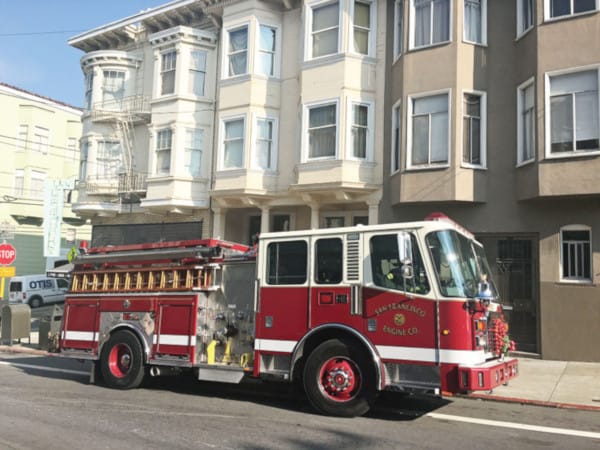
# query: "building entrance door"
[513,260]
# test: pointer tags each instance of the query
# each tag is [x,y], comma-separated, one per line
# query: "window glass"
[193,151]
[525,15]
[362,27]
[89,84]
[360,127]
[472,129]
[264,144]
[567,7]
[398,26]
[197,72]
[389,253]
[109,159]
[431,22]
[329,261]
[287,262]
[430,130]
[473,21]
[163,151]
[325,25]
[41,139]
[396,142]
[576,254]
[574,112]
[113,89]
[527,118]
[234,144]
[266,59]
[322,131]
[238,51]
[167,72]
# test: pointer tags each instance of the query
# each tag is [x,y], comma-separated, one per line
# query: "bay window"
[193,151]
[113,89]
[109,159]
[266,51]
[264,151]
[197,73]
[167,72]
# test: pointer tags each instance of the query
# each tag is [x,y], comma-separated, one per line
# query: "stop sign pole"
[8,254]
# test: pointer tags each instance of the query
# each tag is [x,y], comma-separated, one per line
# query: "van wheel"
[339,380]
[122,361]
[35,302]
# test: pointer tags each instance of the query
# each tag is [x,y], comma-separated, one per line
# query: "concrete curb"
[19,349]
[525,401]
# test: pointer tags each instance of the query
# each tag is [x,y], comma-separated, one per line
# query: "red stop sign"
[7,254]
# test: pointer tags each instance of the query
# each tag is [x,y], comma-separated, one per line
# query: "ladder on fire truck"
[170,266]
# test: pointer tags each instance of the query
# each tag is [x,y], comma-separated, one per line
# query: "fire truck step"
[222,374]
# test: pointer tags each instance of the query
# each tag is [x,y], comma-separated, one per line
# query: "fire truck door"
[331,299]
[176,327]
[283,310]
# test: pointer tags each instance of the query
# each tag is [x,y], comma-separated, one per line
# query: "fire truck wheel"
[121,362]
[339,380]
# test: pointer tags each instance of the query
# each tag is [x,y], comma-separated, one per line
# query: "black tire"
[122,361]
[35,302]
[339,379]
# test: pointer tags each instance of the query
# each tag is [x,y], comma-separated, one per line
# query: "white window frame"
[308,34]
[157,170]
[222,123]
[193,71]
[372,27]
[483,24]
[89,89]
[22,137]
[412,28]
[227,54]
[520,4]
[398,28]
[482,130]
[547,118]
[274,141]
[305,128]
[19,183]
[276,53]
[106,168]
[108,88]
[576,280]
[547,11]
[520,126]
[164,70]
[39,177]
[396,139]
[189,150]
[41,140]
[370,142]
[409,130]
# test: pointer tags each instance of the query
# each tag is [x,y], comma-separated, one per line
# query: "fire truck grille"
[352,261]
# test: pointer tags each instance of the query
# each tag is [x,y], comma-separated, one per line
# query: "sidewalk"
[558,384]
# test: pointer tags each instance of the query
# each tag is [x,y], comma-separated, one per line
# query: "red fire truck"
[344,312]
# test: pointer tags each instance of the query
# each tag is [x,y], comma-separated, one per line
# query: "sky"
[34,53]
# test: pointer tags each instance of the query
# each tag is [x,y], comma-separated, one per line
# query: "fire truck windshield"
[461,266]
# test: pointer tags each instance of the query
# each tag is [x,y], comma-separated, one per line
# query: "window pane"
[422,22]
[238,54]
[266,51]
[362,15]
[267,38]
[561,118]
[237,64]
[287,263]
[325,43]
[238,40]
[325,17]
[586,112]
[560,7]
[583,5]
[439,138]
[234,144]
[441,20]
[473,20]
[264,144]
[420,151]
[328,261]
[322,142]
[325,30]
[433,104]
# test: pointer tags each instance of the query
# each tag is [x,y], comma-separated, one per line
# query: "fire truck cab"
[344,312]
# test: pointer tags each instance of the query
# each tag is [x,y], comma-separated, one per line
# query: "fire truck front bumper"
[487,376]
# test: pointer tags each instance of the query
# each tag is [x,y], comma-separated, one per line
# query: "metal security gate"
[514,261]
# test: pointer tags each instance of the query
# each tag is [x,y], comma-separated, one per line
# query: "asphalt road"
[48,403]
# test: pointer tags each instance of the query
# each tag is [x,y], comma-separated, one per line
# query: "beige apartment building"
[39,144]
[231,118]
[492,118]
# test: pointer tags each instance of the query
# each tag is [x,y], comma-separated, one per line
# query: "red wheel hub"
[119,360]
[340,379]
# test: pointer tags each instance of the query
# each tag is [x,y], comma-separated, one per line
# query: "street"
[47,402]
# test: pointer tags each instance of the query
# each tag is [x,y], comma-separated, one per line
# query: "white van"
[37,290]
